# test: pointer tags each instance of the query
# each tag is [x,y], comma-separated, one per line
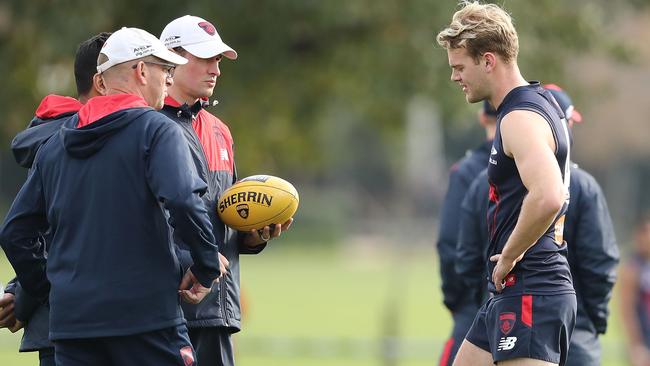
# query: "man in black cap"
[455,297]
[593,252]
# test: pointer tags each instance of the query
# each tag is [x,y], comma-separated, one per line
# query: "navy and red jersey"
[211,147]
[108,186]
[544,268]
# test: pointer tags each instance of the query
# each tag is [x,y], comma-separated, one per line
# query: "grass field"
[359,304]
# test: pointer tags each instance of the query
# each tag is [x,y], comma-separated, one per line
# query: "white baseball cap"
[197,36]
[132,43]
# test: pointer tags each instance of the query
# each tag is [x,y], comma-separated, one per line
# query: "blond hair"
[481,28]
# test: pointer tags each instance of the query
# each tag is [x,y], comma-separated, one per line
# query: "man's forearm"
[537,214]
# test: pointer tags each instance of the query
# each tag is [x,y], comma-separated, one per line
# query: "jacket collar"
[185,109]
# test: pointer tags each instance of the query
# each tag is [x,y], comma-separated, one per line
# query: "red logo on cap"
[208,28]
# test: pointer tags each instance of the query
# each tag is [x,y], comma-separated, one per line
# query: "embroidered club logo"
[507,322]
[242,210]
[208,28]
[188,355]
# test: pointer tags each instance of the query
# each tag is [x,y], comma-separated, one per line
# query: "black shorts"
[525,326]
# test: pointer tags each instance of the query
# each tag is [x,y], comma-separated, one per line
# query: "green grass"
[320,305]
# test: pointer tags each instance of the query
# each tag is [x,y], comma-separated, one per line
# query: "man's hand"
[7,318]
[18,325]
[502,268]
[223,265]
[196,291]
[259,237]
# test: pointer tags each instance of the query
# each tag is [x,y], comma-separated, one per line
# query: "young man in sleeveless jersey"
[528,171]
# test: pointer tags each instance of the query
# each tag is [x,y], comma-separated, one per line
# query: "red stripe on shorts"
[444,360]
[527,310]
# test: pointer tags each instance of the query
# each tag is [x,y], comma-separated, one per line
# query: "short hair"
[180,50]
[85,61]
[481,28]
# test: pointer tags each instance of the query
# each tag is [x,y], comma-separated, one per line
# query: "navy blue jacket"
[461,176]
[102,185]
[588,231]
[593,251]
[211,147]
[472,243]
[49,117]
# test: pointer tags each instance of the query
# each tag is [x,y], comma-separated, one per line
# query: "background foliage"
[324,94]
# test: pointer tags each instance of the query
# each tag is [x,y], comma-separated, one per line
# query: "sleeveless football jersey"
[544,268]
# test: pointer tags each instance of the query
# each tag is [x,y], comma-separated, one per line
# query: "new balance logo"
[506,343]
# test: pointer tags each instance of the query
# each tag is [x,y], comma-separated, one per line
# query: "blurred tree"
[319,90]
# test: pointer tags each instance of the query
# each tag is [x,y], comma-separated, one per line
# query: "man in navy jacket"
[212,322]
[455,297]
[105,186]
[50,115]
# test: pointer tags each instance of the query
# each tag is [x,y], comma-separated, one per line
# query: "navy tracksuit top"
[102,185]
[50,115]
[460,177]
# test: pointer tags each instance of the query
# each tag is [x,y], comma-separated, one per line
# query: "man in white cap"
[211,322]
[106,188]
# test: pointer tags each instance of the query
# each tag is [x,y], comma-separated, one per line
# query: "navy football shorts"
[525,326]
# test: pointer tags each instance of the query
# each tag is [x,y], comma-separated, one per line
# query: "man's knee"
[472,355]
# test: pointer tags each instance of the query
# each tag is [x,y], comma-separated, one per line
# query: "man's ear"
[141,73]
[99,84]
[488,60]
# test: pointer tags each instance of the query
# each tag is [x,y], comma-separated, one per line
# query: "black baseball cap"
[488,109]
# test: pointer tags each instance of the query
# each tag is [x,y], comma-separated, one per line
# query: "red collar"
[172,102]
[55,105]
[100,107]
